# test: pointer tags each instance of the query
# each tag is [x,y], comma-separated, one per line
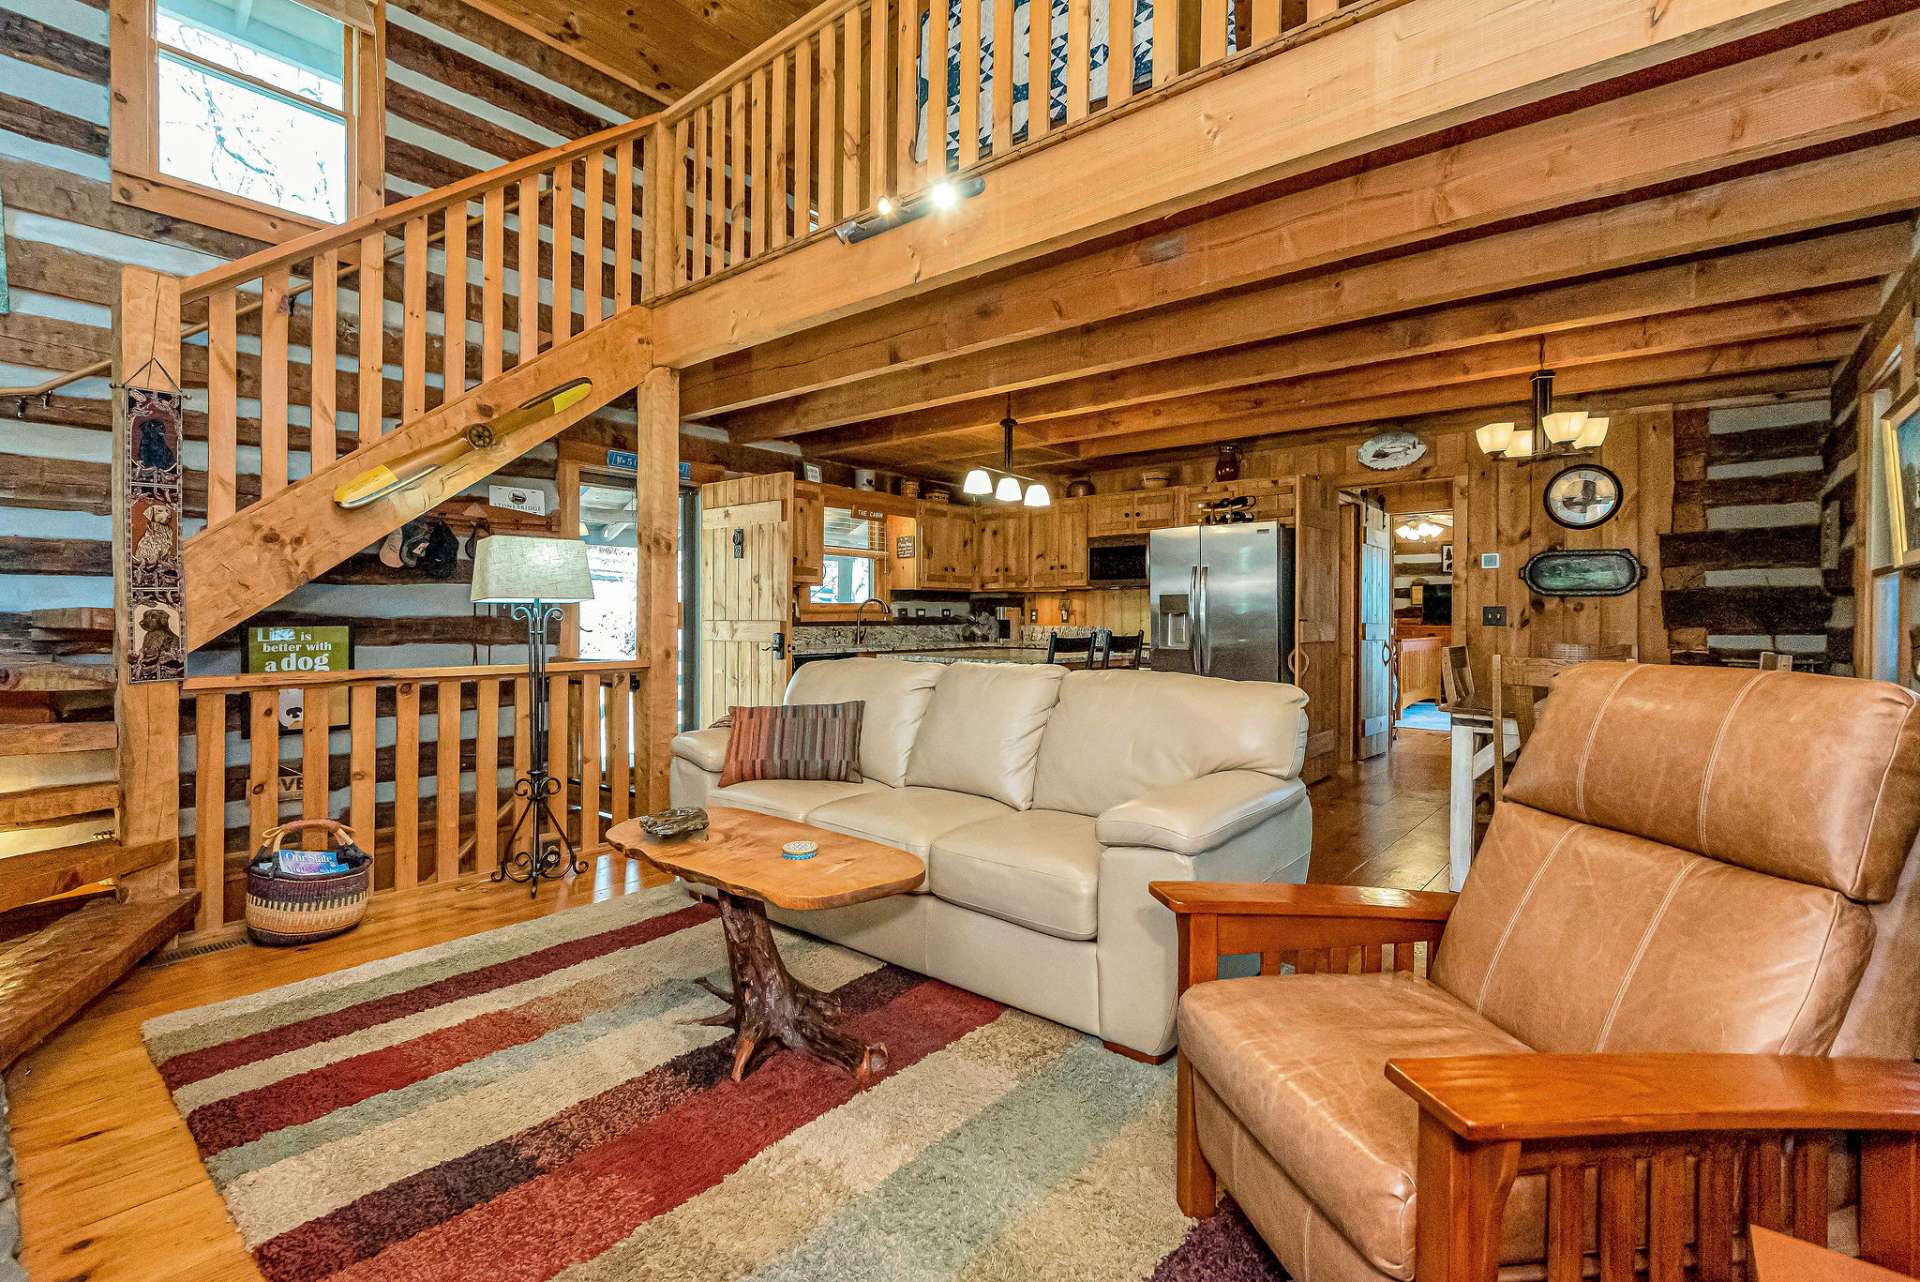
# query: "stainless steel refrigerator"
[1222,599]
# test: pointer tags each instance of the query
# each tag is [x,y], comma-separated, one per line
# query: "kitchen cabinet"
[1057,543]
[809,532]
[946,550]
[1002,539]
[1133,512]
[1272,498]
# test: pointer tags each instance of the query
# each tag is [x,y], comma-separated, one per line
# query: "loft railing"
[829,117]
[451,287]
[419,762]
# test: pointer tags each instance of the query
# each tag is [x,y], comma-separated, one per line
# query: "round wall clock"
[1389,450]
[1583,496]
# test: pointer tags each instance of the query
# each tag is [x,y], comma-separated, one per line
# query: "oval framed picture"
[1386,451]
[1583,496]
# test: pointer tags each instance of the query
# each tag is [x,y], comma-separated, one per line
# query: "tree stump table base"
[768,1008]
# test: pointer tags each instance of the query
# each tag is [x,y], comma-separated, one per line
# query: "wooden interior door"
[1374,666]
[1316,623]
[745,592]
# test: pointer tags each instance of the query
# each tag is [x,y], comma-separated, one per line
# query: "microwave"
[1119,561]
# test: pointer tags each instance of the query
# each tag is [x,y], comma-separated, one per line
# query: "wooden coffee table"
[739,856]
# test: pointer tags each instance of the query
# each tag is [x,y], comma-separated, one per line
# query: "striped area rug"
[532,1103]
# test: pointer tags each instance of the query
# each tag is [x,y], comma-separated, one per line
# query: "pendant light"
[1553,433]
[1008,488]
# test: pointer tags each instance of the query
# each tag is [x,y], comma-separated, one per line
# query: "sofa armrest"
[1194,817]
[704,748]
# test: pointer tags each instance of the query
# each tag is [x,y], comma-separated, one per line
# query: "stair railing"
[399,311]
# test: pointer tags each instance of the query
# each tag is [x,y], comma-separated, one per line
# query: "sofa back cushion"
[895,692]
[982,730]
[1117,736]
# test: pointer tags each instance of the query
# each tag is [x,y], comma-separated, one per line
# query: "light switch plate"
[1489,560]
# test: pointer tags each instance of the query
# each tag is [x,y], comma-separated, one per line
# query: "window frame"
[134,122]
[850,501]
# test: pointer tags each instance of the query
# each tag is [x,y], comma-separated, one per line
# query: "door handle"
[1206,624]
[778,645]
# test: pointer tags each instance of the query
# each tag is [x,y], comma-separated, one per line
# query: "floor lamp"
[538,578]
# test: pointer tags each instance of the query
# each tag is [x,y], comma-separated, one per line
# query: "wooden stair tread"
[27,675]
[48,976]
[60,736]
[40,874]
[37,807]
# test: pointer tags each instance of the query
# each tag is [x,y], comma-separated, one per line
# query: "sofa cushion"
[895,692]
[794,741]
[786,798]
[1301,1059]
[982,730]
[909,818]
[1116,736]
[1036,868]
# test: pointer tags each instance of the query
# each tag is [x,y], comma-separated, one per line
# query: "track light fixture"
[887,212]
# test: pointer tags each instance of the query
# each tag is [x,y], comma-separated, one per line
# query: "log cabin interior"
[924,639]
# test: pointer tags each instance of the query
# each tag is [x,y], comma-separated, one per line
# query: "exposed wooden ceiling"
[1716,235]
[664,48]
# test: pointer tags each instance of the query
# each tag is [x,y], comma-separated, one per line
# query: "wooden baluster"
[223,446]
[406,786]
[680,203]
[1716,1225]
[1001,136]
[527,270]
[909,174]
[1616,1219]
[625,260]
[446,781]
[1321,9]
[828,144]
[737,173]
[273,382]
[210,806]
[413,338]
[591,741]
[699,212]
[802,140]
[453,306]
[1079,57]
[1040,68]
[1166,41]
[1566,1220]
[1807,1178]
[1766,1187]
[363,767]
[486,775]
[851,201]
[593,262]
[372,297]
[1120,50]
[759,172]
[560,744]
[780,162]
[879,73]
[522,754]
[493,282]
[619,757]
[1266,20]
[969,104]
[263,764]
[1213,31]
[322,368]
[1668,1216]
[563,252]
[316,729]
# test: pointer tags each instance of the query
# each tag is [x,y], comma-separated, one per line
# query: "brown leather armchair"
[1679,992]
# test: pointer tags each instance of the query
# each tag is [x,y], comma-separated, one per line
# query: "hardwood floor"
[112,1189]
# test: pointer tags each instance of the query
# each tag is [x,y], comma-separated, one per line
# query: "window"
[260,116]
[850,568]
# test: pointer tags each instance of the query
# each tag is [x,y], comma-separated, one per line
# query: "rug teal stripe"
[927,1219]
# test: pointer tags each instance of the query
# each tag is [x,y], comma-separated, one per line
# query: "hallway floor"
[1384,822]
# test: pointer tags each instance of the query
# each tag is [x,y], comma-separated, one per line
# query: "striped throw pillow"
[794,741]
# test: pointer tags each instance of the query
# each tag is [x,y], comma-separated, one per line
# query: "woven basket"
[291,908]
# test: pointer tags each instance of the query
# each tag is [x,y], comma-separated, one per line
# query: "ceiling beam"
[1736,115]
[1382,74]
[1576,322]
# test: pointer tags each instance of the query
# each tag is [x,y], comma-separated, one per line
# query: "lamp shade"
[1593,435]
[1521,446]
[1563,427]
[511,568]
[1008,489]
[1038,496]
[1494,437]
[977,482]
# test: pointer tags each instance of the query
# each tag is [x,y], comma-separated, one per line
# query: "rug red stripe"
[585,1205]
[193,1066]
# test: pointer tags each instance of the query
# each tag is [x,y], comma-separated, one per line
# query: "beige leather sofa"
[1043,801]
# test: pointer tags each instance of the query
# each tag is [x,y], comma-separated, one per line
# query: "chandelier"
[1008,488]
[1553,433]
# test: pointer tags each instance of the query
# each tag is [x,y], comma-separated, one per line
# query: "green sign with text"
[298,649]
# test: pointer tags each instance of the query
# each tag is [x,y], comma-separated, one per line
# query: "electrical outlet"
[1493,616]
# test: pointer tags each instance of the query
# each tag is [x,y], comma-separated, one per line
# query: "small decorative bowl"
[797,850]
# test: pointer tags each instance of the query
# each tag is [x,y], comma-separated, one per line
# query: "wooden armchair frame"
[1761,1124]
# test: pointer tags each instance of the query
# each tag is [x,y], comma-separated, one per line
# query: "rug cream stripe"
[268,1202]
[780,1196]
[181,1031]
